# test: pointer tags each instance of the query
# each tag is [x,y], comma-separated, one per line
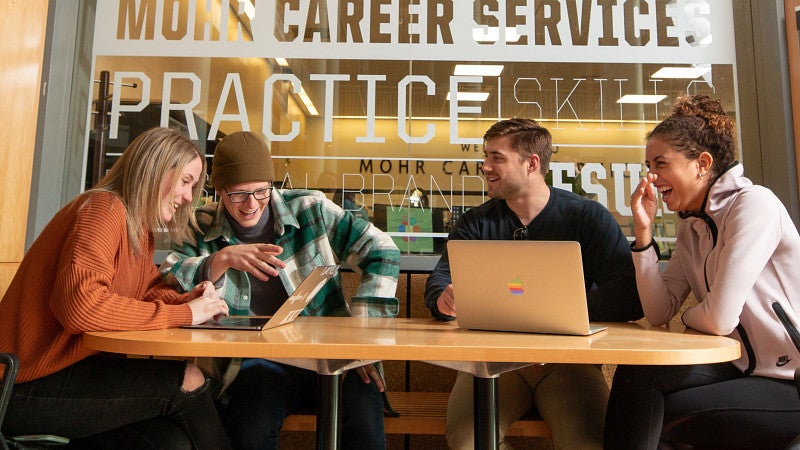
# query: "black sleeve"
[612,297]
[467,227]
[436,283]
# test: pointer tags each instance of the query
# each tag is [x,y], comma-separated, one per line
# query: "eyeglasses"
[521,233]
[242,196]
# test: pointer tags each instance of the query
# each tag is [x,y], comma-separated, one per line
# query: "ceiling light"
[492,34]
[312,110]
[282,62]
[470,96]
[489,70]
[249,8]
[646,99]
[682,72]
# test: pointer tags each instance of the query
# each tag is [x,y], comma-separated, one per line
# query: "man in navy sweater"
[572,398]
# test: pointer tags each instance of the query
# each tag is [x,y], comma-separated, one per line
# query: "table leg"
[328,412]
[486,410]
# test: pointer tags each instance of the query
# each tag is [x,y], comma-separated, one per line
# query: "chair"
[795,444]
[10,364]
[10,368]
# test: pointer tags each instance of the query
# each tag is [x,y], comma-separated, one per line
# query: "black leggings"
[706,405]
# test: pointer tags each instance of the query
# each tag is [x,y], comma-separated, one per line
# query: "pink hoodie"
[741,258]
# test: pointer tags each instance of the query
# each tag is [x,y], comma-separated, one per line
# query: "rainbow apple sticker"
[515,286]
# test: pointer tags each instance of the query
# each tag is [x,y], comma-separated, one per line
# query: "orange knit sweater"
[82,275]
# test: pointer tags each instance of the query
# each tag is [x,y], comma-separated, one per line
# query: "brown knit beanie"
[241,157]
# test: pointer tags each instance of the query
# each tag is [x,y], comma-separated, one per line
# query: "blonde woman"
[92,269]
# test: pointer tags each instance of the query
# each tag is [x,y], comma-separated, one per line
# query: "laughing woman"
[738,252]
[92,269]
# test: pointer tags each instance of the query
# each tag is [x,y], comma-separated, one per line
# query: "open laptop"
[289,311]
[524,286]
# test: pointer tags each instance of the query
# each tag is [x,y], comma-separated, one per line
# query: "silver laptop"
[289,310]
[524,286]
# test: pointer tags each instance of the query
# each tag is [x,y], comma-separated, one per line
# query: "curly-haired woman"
[738,252]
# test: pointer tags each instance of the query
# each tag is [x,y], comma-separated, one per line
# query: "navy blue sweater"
[607,266]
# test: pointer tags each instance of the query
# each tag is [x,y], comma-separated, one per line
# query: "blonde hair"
[139,176]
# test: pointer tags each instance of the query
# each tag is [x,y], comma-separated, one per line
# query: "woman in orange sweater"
[92,269]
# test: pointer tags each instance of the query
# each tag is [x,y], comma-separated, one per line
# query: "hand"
[259,260]
[447,302]
[207,307]
[205,288]
[370,373]
[644,207]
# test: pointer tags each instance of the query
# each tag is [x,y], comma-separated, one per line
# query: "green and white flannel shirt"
[312,231]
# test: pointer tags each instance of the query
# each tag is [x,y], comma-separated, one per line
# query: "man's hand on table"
[447,302]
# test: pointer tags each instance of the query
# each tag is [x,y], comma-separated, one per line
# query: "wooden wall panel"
[7,271]
[23,25]
[792,10]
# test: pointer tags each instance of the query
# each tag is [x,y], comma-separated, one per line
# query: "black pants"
[265,392]
[706,405]
[112,402]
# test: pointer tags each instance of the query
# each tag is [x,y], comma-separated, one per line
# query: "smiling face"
[682,182]
[248,212]
[177,188]
[505,170]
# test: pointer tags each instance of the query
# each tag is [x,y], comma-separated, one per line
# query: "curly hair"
[527,137]
[697,124]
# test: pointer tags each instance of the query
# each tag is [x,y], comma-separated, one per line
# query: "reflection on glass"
[384,131]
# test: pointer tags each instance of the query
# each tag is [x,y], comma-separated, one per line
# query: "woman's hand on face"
[259,260]
[644,206]
[209,305]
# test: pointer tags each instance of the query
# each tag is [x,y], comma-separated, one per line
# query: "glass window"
[383,104]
